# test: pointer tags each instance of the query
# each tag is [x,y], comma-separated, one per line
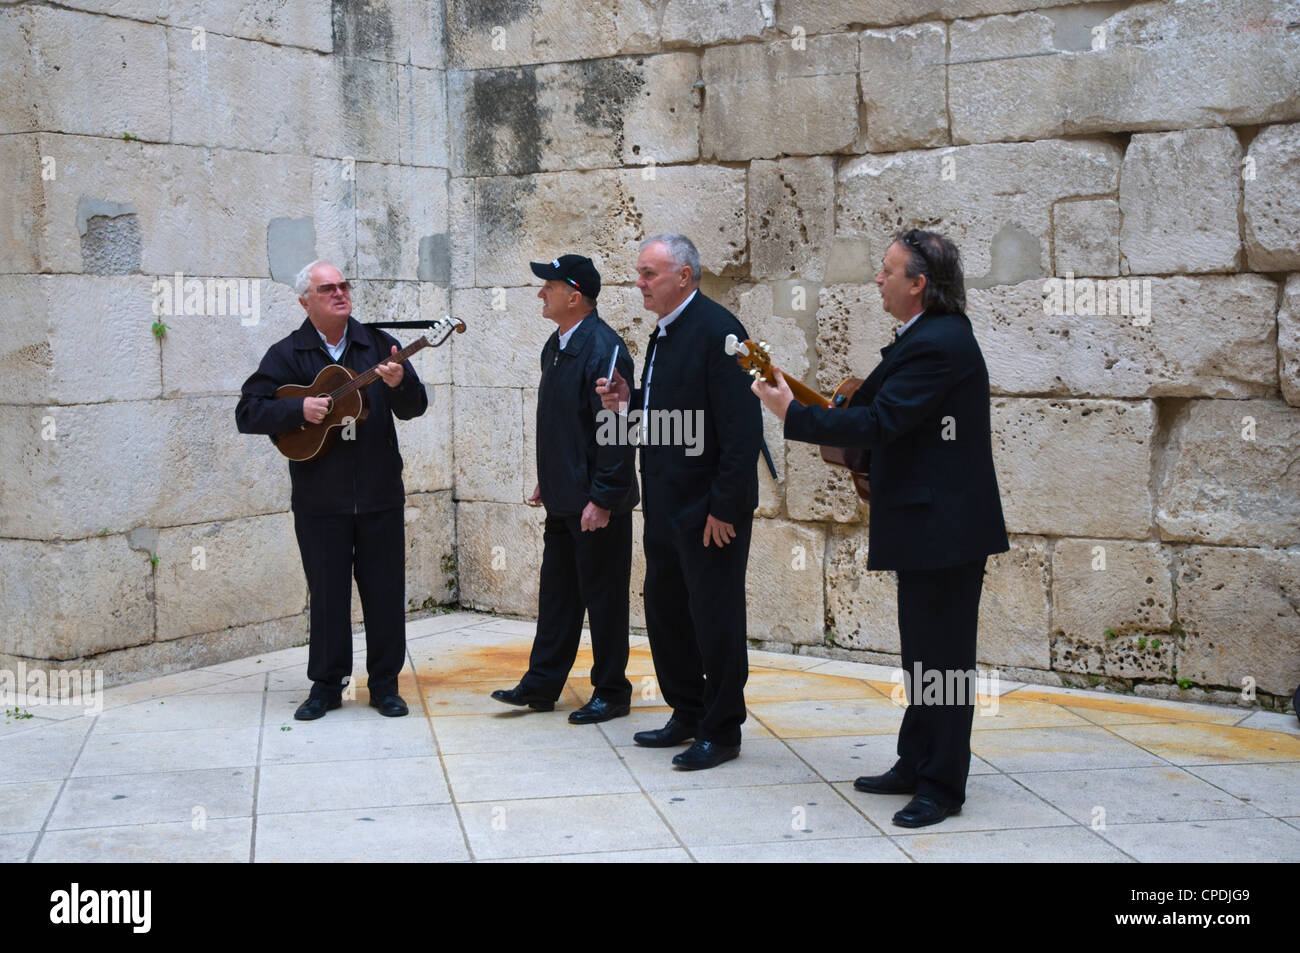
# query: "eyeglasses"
[329,289]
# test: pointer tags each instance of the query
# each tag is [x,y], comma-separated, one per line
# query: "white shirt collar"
[334,349]
[675,313]
[899,333]
[564,338]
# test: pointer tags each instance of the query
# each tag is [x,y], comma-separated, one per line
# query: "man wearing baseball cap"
[588,487]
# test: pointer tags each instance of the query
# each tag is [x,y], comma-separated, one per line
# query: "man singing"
[923,417]
[347,504]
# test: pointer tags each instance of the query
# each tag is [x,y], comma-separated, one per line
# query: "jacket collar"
[306,338]
[581,333]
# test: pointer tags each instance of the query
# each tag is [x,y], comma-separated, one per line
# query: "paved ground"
[209,765]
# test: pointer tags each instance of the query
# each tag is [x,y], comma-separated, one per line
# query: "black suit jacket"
[694,375]
[923,414]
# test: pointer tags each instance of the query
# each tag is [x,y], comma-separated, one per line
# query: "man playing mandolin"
[347,500]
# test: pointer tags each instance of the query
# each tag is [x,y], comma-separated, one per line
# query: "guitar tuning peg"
[764,346]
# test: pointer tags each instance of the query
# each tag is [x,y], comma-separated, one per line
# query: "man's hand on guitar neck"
[391,371]
[775,397]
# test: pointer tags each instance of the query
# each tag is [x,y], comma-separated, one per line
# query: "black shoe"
[888,783]
[674,733]
[705,754]
[517,696]
[391,706]
[597,710]
[315,707]
[923,811]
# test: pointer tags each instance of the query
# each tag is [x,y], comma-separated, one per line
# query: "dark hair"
[935,257]
[588,300]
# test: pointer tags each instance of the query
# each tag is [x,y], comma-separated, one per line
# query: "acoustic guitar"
[346,391]
[755,358]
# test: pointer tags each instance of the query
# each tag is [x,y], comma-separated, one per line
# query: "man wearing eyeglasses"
[347,504]
[923,416]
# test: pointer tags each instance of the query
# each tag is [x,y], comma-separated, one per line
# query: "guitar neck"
[369,377]
[804,394]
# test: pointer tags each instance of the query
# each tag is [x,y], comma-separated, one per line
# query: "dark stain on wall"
[500,209]
[485,14]
[502,127]
[362,28]
[607,89]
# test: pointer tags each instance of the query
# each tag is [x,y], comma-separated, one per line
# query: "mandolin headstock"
[754,357]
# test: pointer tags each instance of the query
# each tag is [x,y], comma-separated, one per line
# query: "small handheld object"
[609,378]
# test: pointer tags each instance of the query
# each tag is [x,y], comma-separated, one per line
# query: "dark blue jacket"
[363,475]
[573,466]
[923,414]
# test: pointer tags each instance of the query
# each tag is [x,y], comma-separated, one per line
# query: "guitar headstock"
[443,328]
[754,357]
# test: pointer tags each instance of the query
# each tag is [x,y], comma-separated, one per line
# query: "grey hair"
[302,280]
[682,250]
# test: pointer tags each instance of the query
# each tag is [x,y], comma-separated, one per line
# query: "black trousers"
[373,545]
[583,572]
[938,613]
[695,618]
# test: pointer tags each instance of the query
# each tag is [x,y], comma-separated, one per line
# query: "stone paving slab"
[209,765]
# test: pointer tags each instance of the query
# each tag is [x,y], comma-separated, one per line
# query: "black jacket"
[692,372]
[363,475]
[573,466]
[923,413]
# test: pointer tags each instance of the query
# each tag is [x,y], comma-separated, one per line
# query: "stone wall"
[1123,180]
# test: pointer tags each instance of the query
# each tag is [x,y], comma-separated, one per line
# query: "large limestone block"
[1229,474]
[994,201]
[1179,193]
[623,309]
[1074,467]
[528,463]
[78,339]
[305,23]
[22,201]
[394,30]
[1184,336]
[83,74]
[1144,67]
[807,17]
[489,443]
[1014,614]
[333,219]
[499,552]
[1238,607]
[861,606]
[586,115]
[70,472]
[905,98]
[423,129]
[461,212]
[791,217]
[852,327]
[718,21]
[171,188]
[1271,175]
[783,584]
[426,443]
[504,336]
[606,215]
[431,573]
[1288,341]
[766,100]
[1108,597]
[511,32]
[398,209]
[815,490]
[214,575]
[64,600]
[1086,237]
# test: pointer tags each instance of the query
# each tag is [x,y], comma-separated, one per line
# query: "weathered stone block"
[861,606]
[1272,204]
[605,215]
[489,444]
[423,132]
[1014,612]
[1183,336]
[64,600]
[499,552]
[396,207]
[994,201]
[306,24]
[22,202]
[1074,467]
[807,17]
[1179,193]
[215,575]
[333,218]
[431,573]
[1107,598]
[906,101]
[463,224]
[1086,237]
[427,445]
[1228,474]
[60,346]
[1238,607]
[766,100]
[512,32]
[719,21]
[1288,341]
[852,327]
[783,585]
[815,490]
[501,347]
[528,422]
[791,217]
[1145,67]
[392,30]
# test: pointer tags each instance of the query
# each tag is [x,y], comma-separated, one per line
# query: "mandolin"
[755,358]
[346,392]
